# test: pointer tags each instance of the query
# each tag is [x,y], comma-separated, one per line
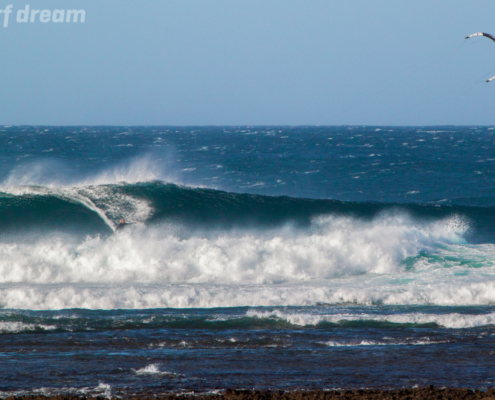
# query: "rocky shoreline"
[428,393]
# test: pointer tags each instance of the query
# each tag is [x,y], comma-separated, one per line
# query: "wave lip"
[56,174]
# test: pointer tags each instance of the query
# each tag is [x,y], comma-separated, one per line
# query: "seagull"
[488,36]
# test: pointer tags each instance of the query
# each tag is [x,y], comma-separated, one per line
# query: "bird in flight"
[488,36]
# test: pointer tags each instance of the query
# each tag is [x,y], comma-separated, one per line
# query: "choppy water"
[267,257]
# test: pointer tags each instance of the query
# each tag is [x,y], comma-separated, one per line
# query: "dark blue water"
[252,257]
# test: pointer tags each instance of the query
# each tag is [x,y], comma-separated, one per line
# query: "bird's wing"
[482,34]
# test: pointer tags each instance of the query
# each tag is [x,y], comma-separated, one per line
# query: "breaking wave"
[197,247]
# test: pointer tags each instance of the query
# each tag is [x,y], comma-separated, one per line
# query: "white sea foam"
[153,369]
[332,343]
[357,290]
[334,248]
[15,327]
[102,389]
[338,260]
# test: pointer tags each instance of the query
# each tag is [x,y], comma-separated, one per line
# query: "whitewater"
[269,241]
[389,258]
[335,260]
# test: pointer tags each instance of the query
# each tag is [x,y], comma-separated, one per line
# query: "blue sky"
[250,62]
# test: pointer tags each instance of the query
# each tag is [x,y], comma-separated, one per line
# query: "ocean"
[280,258]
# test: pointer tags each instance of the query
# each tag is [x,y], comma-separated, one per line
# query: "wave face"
[92,207]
